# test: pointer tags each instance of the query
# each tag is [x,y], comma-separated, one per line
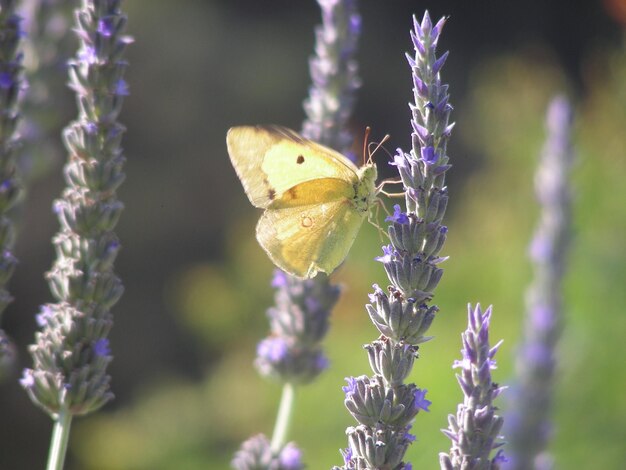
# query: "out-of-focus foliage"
[197,284]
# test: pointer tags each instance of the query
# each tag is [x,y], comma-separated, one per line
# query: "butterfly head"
[365,188]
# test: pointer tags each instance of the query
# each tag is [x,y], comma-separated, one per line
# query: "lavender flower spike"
[71,352]
[528,422]
[334,75]
[299,320]
[11,83]
[256,454]
[383,404]
[474,430]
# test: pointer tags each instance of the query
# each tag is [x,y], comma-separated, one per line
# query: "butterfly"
[315,199]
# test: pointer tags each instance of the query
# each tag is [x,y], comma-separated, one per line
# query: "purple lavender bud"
[290,457]
[72,351]
[272,349]
[398,216]
[420,400]
[102,348]
[528,422]
[474,430]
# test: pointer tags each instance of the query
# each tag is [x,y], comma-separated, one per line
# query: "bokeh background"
[197,284]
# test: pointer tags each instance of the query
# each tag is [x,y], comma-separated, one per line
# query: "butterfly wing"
[303,236]
[270,160]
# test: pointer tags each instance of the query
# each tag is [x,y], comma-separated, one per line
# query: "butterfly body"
[315,199]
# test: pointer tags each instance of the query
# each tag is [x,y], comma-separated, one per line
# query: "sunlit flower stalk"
[383,404]
[71,352]
[299,320]
[11,84]
[474,431]
[528,427]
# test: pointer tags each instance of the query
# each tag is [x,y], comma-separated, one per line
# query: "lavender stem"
[283,418]
[60,438]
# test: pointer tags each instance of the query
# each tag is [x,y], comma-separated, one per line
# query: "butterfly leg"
[379,188]
[376,216]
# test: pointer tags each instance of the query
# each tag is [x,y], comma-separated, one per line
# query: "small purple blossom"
[28,379]
[272,349]
[351,387]
[279,280]
[91,128]
[322,362]
[44,315]
[121,88]
[101,347]
[420,400]
[88,55]
[347,455]
[398,216]
[106,26]
[428,155]
[6,80]
[388,254]
[290,457]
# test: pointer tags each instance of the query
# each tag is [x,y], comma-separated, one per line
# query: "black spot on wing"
[300,160]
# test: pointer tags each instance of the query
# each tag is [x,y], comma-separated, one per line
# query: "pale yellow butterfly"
[315,199]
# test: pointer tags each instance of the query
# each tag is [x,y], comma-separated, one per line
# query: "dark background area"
[199,67]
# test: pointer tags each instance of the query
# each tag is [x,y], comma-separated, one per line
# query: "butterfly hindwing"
[270,160]
[305,239]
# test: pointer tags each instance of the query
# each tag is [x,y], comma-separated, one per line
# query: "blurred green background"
[197,284]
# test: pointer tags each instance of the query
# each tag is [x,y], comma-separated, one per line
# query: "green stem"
[283,419]
[60,436]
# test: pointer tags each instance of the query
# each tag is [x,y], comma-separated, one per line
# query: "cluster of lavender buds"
[299,319]
[474,431]
[256,454]
[11,83]
[72,351]
[383,405]
[334,73]
[528,421]
[47,47]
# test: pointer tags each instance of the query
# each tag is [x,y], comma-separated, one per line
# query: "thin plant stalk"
[60,438]
[283,418]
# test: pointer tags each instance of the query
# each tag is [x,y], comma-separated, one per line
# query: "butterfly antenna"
[368,131]
[378,146]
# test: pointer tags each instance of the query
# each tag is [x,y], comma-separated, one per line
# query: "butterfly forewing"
[270,160]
